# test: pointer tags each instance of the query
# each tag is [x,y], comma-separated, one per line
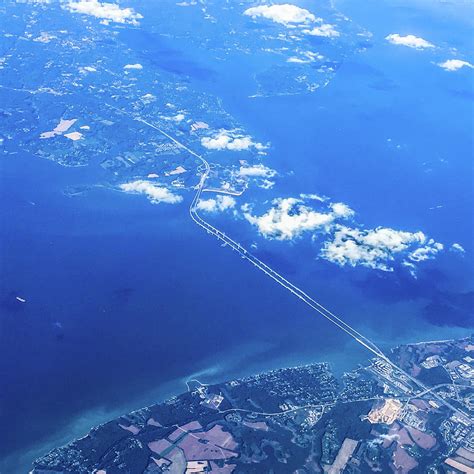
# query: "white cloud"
[230,140]
[427,252]
[314,197]
[305,57]
[44,37]
[220,203]
[85,69]
[133,66]
[105,11]
[175,118]
[409,40]
[454,64]
[155,193]
[342,210]
[257,171]
[289,218]
[283,13]
[378,248]
[266,184]
[457,248]
[297,60]
[325,30]
[148,98]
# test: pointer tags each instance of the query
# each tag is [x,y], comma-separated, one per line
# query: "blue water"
[141,295]
[126,299]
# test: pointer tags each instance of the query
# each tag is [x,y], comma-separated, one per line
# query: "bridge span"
[300,294]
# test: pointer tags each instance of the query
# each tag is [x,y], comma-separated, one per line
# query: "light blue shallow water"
[125,299]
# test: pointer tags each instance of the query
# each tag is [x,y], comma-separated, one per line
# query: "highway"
[274,275]
[210,229]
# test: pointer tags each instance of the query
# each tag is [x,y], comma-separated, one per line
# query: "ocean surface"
[125,300]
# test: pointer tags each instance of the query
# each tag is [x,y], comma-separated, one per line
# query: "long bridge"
[210,229]
[300,294]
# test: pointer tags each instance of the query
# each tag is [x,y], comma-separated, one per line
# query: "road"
[193,212]
[300,294]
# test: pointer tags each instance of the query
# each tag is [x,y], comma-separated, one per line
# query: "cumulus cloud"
[86,69]
[427,252]
[218,204]
[314,197]
[230,140]
[289,218]
[410,41]
[284,14]
[342,210]
[148,98]
[457,248]
[266,184]
[325,30]
[154,192]
[381,248]
[378,248]
[133,66]
[257,171]
[105,11]
[454,64]
[305,57]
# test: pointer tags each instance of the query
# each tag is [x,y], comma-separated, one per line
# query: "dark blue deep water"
[125,299]
[122,297]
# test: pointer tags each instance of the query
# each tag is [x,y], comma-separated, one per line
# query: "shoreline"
[233,367]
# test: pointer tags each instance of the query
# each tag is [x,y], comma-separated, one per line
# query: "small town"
[300,419]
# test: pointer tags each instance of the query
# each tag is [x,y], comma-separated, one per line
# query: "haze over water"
[126,299]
